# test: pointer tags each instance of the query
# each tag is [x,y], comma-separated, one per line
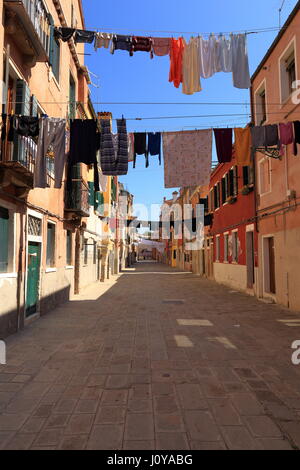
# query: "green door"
[33,277]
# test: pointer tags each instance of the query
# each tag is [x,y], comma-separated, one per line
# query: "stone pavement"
[155,359]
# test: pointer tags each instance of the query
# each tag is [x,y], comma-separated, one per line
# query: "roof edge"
[277,39]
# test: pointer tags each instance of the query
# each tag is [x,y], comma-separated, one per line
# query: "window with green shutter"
[50,245]
[54,54]
[4,228]
[91,193]
[99,203]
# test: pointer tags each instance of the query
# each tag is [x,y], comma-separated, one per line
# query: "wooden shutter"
[4,227]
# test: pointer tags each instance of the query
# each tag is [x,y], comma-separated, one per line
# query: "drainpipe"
[7,74]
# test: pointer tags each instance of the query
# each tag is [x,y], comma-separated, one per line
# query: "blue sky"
[138,79]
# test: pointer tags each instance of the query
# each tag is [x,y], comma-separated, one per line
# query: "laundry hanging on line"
[189,60]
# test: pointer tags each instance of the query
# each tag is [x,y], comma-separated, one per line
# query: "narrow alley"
[155,358]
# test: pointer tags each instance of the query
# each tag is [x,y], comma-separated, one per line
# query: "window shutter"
[23,100]
[34,106]
[91,194]
[4,225]
[223,190]
[231,182]
[51,39]
[235,181]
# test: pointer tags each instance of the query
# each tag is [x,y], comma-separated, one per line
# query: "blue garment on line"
[154,144]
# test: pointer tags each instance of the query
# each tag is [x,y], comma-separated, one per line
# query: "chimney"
[175,195]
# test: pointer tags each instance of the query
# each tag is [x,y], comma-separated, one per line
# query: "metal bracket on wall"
[270,152]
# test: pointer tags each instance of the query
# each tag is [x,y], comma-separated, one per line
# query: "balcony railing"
[34,19]
[19,158]
[77,198]
[17,161]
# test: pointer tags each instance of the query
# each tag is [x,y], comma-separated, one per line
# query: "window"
[218,248]
[55,56]
[287,72]
[69,248]
[264,176]
[291,72]
[226,247]
[217,196]
[4,237]
[248,175]
[235,247]
[224,190]
[85,251]
[260,105]
[211,201]
[72,98]
[50,261]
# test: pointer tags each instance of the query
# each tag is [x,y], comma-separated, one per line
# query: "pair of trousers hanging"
[140,147]
[52,133]
[114,158]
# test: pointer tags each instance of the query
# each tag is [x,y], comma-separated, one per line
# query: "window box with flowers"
[231,199]
[247,189]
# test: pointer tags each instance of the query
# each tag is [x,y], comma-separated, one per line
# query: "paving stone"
[58,420]
[275,444]
[239,438]
[262,426]
[114,397]
[166,389]
[246,404]
[80,424]
[65,405]
[201,426]
[198,445]
[74,442]
[106,437]
[110,415]
[139,406]
[97,379]
[139,445]
[20,442]
[48,437]
[118,382]
[33,425]
[165,404]
[171,441]
[92,393]
[191,397]
[139,426]
[12,422]
[87,406]
[224,412]
[169,422]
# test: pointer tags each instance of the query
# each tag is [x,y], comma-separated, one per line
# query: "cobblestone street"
[154,359]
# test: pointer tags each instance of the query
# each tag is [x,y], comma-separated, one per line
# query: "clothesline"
[245,31]
[189,60]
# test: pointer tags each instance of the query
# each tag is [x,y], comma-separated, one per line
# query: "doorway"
[250,259]
[33,278]
[269,265]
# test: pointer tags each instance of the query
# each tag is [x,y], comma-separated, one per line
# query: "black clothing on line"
[65,34]
[140,146]
[27,126]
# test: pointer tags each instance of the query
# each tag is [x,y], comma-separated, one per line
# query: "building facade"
[53,242]
[275,100]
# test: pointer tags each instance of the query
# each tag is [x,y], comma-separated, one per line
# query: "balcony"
[77,199]
[17,165]
[28,22]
